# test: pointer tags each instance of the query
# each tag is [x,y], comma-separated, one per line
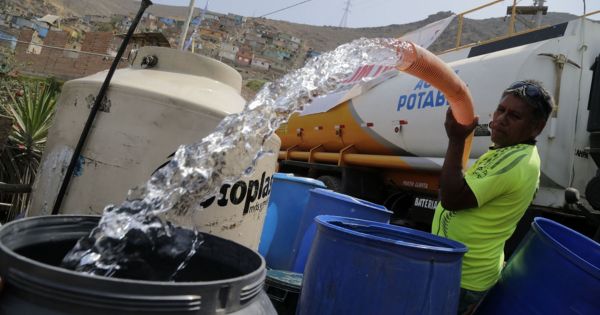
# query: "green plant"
[32,110]
[7,60]
[255,85]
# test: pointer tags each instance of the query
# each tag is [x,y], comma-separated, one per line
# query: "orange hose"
[421,63]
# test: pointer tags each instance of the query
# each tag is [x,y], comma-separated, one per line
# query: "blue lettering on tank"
[440,100]
[419,85]
[401,102]
[419,102]
[423,96]
[428,100]
[410,104]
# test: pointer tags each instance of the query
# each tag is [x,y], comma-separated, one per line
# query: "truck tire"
[331,182]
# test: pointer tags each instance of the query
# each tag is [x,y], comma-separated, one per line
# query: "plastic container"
[555,270]
[222,278]
[289,195]
[148,114]
[283,288]
[239,213]
[363,267]
[324,201]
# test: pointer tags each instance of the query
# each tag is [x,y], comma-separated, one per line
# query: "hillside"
[320,38]
[324,38]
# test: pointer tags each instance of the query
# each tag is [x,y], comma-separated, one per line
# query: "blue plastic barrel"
[555,270]
[362,267]
[289,195]
[325,201]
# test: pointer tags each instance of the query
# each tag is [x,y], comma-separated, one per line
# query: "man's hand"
[456,131]
[455,193]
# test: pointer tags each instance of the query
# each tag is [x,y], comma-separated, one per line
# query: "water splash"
[198,170]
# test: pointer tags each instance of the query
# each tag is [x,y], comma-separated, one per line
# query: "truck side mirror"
[571,195]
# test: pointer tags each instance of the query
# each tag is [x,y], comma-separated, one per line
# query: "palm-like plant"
[32,111]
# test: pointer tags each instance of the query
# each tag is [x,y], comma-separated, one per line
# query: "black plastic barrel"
[222,278]
[283,288]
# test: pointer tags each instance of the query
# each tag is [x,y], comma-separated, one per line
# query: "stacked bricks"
[97,43]
[62,64]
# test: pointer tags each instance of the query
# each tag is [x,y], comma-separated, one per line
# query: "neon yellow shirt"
[504,181]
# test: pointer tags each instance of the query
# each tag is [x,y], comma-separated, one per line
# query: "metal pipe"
[328,157]
[462,15]
[186,27]
[88,124]
[538,14]
[460,27]
[513,16]
[368,160]
[591,13]
[15,188]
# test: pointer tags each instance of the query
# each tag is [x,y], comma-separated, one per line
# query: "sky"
[370,13]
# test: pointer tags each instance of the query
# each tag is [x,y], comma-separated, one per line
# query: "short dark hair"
[533,93]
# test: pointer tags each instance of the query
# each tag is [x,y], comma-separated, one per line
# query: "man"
[482,207]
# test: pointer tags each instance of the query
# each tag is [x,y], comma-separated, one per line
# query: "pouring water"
[136,240]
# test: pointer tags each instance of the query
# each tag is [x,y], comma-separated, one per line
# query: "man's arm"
[455,193]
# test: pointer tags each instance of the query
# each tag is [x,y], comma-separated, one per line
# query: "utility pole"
[344,21]
[186,26]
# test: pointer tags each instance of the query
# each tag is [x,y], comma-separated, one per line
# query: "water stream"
[135,240]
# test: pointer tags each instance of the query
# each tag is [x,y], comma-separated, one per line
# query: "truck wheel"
[399,203]
[331,182]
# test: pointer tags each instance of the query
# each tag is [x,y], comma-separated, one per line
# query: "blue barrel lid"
[298,179]
[348,198]
[385,234]
[574,246]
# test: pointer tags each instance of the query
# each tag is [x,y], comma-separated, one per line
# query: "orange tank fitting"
[423,64]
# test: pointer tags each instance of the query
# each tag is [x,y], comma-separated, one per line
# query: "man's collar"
[529,142]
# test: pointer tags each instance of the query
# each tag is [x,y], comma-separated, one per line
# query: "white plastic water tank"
[146,115]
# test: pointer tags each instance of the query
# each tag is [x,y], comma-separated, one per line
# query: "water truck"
[387,143]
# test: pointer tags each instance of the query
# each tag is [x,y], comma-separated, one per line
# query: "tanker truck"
[387,144]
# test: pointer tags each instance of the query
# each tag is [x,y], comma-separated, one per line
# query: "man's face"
[514,122]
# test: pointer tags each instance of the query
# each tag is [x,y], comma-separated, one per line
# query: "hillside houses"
[260,63]
[233,39]
[228,51]
[212,35]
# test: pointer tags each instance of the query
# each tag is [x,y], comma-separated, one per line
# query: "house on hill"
[260,64]
[228,51]
[243,58]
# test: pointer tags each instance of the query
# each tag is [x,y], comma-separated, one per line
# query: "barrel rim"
[537,226]
[453,247]
[30,262]
[344,197]
[298,179]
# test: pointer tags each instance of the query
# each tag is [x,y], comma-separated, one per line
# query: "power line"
[291,6]
[344,21]
[60,48]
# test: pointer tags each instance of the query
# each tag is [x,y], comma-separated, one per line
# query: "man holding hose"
[481,208]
